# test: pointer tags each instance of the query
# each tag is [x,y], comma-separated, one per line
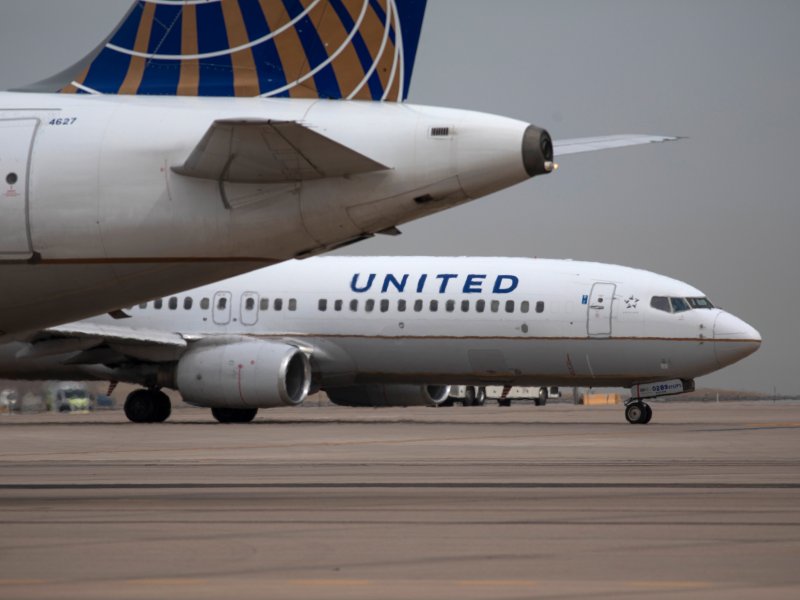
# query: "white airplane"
[122,179]
[395,332]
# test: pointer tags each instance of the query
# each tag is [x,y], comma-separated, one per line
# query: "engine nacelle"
[244,374]
[377,395]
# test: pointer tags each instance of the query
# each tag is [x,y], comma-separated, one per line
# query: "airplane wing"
[86,343]
[258,151]
[590,144]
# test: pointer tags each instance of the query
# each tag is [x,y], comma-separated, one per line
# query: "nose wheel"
[638,413]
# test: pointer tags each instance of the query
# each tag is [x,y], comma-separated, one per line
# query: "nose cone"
[537,151]
[733,339]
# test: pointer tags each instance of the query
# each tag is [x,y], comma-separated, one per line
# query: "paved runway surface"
[335,503]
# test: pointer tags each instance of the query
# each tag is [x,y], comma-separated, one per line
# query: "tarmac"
[559,501]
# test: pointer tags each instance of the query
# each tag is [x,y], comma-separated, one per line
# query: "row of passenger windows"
[676,305]
[433,306]
[222,304]
[369,305]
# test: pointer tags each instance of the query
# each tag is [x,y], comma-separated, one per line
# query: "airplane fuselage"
[93,215]
[427,320]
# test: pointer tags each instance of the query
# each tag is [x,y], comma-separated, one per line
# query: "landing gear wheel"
[162,407]
[148,406]
[480,396]
[504,402]
[234,415]
[542,399]
[469,396]
[139,407]
[638,413]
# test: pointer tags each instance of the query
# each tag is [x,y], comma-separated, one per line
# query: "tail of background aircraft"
[353,49]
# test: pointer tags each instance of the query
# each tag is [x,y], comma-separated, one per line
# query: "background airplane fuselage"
[93,216]
[428,320]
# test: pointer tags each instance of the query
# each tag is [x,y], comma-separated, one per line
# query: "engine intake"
[377,395]
[245,374]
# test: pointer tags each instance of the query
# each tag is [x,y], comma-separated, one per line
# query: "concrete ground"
[335,503]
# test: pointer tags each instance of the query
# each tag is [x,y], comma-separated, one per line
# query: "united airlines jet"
[204,139]
[394,332]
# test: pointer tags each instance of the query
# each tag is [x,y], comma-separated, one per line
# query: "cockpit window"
[699,303]
[660,303]
[679,305]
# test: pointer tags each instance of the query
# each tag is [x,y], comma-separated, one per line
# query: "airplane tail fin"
[338,49]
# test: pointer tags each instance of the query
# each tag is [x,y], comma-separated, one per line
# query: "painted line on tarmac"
[399,485]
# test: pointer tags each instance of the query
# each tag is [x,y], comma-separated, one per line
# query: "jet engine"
[244,374]
[377,395]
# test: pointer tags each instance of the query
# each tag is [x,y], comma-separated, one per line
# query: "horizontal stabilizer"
[591,144]
[257,151]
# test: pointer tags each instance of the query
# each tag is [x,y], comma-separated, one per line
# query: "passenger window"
[249,303]
[679,305]
[495,305]
[450,305]
[205,303]
[187,303]
[401,306]
[660,303]
[525,306]
[222,303]
[417,305]
[292,304]
[158,304]
[465,306]
[540,307]
[337,306]
[369,305]
[264,305]
[172,303]
[434,305]
[277,304]
[323,305]
[384,306]
[480,306]
[353,305]
[509,306]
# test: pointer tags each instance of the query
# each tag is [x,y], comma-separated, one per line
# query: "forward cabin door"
[601,304]
[16,139]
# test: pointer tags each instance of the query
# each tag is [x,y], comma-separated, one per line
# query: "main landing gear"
[638,412]
[148,406]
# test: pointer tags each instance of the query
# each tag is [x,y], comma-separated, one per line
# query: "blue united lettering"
[442,283]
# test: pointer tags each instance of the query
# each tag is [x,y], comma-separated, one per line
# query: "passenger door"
[16,139]
[601,305]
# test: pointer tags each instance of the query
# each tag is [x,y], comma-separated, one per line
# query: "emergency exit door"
[16,139]
[601,304]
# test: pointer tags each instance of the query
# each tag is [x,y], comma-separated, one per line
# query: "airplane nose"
[537,151]
[733,339]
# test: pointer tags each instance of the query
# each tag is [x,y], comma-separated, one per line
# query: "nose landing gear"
[638,412]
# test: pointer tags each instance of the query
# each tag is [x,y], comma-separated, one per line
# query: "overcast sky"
[719,210]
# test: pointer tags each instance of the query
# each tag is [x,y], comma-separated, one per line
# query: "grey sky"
[719,210]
